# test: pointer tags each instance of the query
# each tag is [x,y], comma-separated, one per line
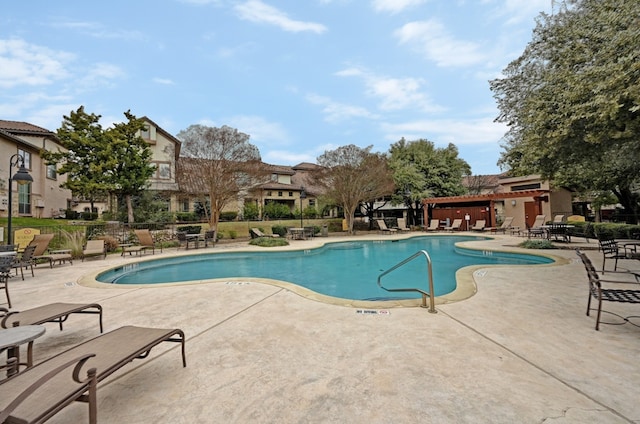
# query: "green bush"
[269,242]
[186,216]
[233,234]
[537,244]
[250,212]
[190,229]
[281,230]
[276,210]
[228,216]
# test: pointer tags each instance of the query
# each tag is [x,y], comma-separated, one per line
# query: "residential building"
[43,198]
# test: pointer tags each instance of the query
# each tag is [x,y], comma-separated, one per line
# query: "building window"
[291,194]
[269,193]
[312,203]
[279,194]
[24,199]
[184,205]
[522,187]
[274,177]
[145,133]
[27,158]
[163,171]
[51,172]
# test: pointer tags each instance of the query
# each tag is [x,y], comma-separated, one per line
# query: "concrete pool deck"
[520,350]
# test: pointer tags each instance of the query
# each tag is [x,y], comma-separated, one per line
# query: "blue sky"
[299,76]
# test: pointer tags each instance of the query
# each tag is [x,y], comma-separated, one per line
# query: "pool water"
[346,270]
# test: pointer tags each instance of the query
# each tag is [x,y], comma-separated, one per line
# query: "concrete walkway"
[521,350]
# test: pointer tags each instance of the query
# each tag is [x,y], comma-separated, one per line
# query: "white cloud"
[463,132]
[257,11]
[394,93]
[22,63]
[336,112]
[163,81]
[100,74]
[258,128]
[395,6]
[97,30]
[431,39]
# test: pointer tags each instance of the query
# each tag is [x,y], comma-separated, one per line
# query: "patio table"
[12,338]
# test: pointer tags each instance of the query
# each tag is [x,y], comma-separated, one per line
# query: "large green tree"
[422,170]
[85,160]
[100,162]
[220,164]
[572,100]
[129,165]
[351,175]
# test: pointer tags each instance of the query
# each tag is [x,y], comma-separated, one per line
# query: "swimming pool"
[347,270]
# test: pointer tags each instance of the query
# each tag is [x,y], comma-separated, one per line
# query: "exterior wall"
[164,158]
[47,197]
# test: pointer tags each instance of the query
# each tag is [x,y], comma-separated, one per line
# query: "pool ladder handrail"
[432,306]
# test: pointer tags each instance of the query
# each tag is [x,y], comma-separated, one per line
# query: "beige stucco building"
[43,198]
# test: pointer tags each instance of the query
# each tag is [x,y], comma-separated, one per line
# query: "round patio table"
[12,338]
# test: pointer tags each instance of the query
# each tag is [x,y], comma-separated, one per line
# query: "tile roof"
[17,127]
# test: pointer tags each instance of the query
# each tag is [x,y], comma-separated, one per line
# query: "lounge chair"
[94,248]
[455,225]
[53,312]
[558,219]
[402,225]
[39,392]
[255,232]
[25,260]
[614,291]
[479,225]
[382,226]
[434,225]
[6,265]
[41,241]
[145,242]
[506,225]
[536,230]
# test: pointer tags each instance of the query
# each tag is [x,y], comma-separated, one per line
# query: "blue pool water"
[346,269]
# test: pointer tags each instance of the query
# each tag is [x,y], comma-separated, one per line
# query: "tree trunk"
[129,201]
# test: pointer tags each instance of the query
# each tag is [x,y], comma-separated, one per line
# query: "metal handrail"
[432,306]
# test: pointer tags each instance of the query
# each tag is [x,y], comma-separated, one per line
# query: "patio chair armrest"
[78,362]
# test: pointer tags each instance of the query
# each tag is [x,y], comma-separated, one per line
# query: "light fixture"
[513,203]
[21,177]
[303,195]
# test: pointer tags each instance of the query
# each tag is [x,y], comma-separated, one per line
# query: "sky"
[300,77]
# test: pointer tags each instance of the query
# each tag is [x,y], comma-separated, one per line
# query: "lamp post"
[21,177]
[303,195]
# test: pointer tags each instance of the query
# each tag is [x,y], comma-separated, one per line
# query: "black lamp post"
[21,177]
[303,195]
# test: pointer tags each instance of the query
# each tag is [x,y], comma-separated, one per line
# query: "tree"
[421,170]
[351,175]
[129,160]
[572,100]
[85,161]
[219,163]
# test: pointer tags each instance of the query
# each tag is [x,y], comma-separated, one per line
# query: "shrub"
[186,216]
[233,234]
[228,216]
[250,211]
[189,229]
[110,243]
[281,230]
[537,244]
[269,242]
